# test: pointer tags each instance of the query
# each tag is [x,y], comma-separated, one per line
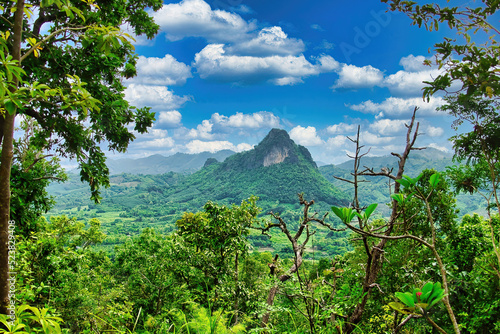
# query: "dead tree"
[374,253]
[298,248]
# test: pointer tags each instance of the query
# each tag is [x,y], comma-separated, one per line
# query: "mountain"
[417,161]
[377,189]
[159,164]
[275,170]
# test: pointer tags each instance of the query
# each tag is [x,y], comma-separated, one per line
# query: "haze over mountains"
[159,164]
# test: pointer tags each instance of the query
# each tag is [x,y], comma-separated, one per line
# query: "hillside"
[377,189]
[276,170]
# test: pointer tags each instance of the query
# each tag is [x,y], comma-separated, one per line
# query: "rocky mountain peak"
[275,148]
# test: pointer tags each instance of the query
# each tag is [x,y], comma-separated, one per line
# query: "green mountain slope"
[377,189]
[275,170]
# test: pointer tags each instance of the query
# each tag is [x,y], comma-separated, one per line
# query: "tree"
[32,171]
[219,235]
[475,67]
[69,81]
[471,65]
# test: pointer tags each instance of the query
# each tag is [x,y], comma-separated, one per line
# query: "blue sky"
[222,73]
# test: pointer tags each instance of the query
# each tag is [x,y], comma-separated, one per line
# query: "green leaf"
[10,107]
[406,298]
[369,210]
[398,198]
[403,182]
[434,179]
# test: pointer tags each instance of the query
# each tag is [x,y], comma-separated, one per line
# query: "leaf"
[434,180]
[337,212]
[426,291]
[406,298]
[10,107]
[403,182]
[398,198]
[369,210]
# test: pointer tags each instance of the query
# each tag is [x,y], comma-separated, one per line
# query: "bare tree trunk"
[7,141]
[375,253]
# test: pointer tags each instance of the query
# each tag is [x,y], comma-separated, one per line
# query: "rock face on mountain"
[275,148]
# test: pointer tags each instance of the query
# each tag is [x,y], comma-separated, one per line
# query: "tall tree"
[69,80]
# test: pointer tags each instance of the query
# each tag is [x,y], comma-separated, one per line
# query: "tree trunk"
[7,141]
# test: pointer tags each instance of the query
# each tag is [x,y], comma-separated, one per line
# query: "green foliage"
[419,300]
[31,319]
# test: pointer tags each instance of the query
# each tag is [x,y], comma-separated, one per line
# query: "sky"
[222,73]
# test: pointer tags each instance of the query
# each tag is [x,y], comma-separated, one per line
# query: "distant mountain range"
[159,164]
[275,170]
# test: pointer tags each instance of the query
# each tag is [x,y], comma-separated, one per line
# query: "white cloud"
[142,95]
[269,41]
[409,83]
[433,131]
[203,130]
[195,18]
[337,142]
[169,118]
[261,119]
[438,147]
[389,126]
[368,138]
[164,71]
[413,64]
[198,146]
[394,107]
[317,27]
[305,136]
[353,77]
[213,63]
[341,128]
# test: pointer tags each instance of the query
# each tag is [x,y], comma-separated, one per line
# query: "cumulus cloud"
[433,131]
[369,138]
[405,83]
[341,128]
[190,18]
[153,96]
[261,119]
[198,146]
[337,142]
[305,136]
[395,107]
[413,63]
[169,118]
[213,63]
[269,41]
[164,71]
[354,77]
[389,126]
[203,130]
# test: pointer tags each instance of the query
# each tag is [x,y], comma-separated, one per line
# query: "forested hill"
[377,189]
[275,170]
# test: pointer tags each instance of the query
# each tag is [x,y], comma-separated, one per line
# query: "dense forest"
[224,265]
